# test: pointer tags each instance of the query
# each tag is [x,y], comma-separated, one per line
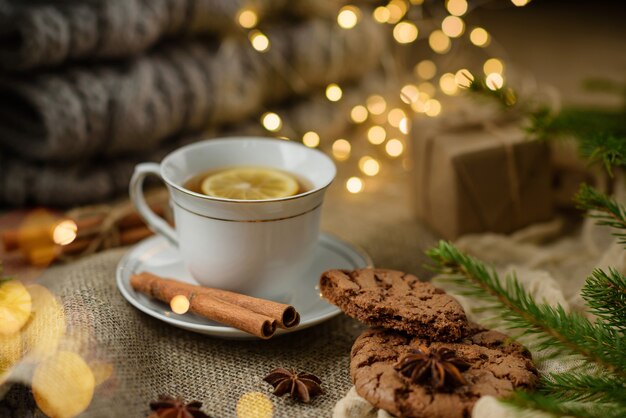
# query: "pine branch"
[564,333]
[603,208]
[578,387]
[605,293]
[551,404]
[479,86]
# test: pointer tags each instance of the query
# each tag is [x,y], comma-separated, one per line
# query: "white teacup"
[257,247]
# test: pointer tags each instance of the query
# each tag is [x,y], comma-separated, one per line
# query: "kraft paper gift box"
[479,177]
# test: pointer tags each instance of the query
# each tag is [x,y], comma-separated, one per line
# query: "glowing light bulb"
[259,41]
[404,126]
[179,304]
[439,42]
[311,139]
[426,69]
[405,32]
[358,114]
[394,148]
[341,149]
[479,37]
[376,104]
[381,14]
[271,121]
[433,108]
[64,232]
[448,84]
[395,116]
[376,135]
[354,185]
[494,81]
[247,18]
[348,17]
[334,92]
[457,7]
[493,65]
[409,93]
[453,26]
[369,166]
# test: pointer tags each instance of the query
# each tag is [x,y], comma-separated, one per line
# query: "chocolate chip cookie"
[396,300]
[391,370]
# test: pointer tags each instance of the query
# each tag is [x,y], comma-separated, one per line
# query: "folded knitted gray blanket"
[118,109]
[35,33]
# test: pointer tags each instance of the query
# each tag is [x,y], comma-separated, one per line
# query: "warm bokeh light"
[358,114]
[369,166]
[493,65]
[271,121]
[409,93]
[254,405]
[395,116]
[311,139]
[334,92]
[64,232]
[453,26]
[341,149]
[479,37]
[439,42]
[426,69]
[404,126]
[15,306]
[405,32]
[348,16]
[427,88]
[397,10]
[376,135]
[247,18]
[433,107]
[520,3]
[463,77]
[179,304]
[259,41]
[381,14]
[354,185]
[394,148]
[448,84]
[494,81]
[376,104]
[457,7]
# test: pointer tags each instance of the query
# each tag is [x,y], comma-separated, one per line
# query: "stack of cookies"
[422,358]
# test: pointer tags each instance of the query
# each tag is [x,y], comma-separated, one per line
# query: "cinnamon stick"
[285,315]
[207,306]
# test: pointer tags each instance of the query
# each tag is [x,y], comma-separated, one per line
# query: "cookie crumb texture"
[396,300]
[497,367]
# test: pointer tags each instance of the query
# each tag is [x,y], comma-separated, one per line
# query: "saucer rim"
[222,331]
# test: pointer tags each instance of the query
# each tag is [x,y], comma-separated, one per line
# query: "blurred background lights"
[395,116]
[479,37]
[271,121]
[381,14]
[341,149]
[494,81]
[405,32]
[376,135]
[463,77]
[520,3]
[397,10]
[394,148]
[457,7]
[369,166]
[404,126]
[358,114]
[333,92]
[64,232]
[439,42]
[247,18]
[409,93]
[376,104]
[179,304]
[259,41]
[427,88]
[426,69]
[311,139]
[493,65]
[433,107]
[354,185]
[453,26]
[448,85]
[348,17]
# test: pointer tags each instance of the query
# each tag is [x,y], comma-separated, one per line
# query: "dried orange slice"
[42,334]
[250,183]
[10,353]
[15,306]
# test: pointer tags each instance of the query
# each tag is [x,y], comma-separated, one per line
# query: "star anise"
[170,407]
[438,367]
[302,386]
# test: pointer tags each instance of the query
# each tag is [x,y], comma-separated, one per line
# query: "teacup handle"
[156,223]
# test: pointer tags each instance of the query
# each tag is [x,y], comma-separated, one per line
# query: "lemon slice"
[15,306]
[250,183]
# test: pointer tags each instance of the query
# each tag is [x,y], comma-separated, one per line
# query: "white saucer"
[157,256]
